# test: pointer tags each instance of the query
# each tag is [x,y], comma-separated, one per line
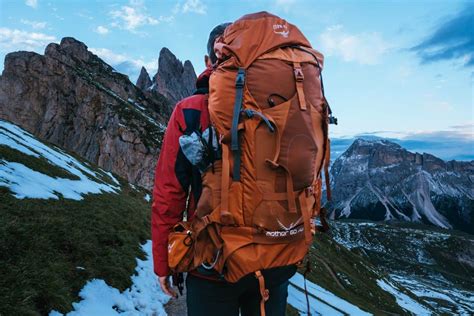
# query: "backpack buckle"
[309,191]
[299,76]
[240,80]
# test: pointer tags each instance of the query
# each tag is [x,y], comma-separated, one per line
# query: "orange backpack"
[267,104]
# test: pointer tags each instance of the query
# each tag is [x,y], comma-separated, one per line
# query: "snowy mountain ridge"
[380,180]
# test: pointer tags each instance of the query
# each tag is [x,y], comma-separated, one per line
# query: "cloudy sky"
[400,69]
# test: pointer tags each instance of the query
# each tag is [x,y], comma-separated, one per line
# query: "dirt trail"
[177,307]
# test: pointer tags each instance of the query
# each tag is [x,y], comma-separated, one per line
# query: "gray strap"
[235,143]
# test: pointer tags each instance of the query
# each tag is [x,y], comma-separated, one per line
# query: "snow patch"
[322,302]
[28,183]
[144,297]
[463,301]
[111,176]
[404,300]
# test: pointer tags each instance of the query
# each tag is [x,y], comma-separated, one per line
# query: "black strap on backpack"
[234,132]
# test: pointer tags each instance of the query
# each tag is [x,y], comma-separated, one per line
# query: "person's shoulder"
[188,108]
[192,102]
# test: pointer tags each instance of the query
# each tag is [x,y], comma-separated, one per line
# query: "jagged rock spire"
[174,79]
[144,81]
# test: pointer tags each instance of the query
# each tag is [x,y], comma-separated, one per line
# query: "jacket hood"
[202,81]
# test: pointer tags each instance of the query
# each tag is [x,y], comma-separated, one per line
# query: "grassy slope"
[349,276]
[405,240]
[43,242]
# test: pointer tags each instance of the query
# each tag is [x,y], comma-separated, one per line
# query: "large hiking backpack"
[267,105]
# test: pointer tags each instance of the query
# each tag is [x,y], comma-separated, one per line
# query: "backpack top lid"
[255,34]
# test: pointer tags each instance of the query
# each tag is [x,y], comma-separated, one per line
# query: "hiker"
[251,181]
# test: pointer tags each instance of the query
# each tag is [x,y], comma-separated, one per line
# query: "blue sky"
[400,69]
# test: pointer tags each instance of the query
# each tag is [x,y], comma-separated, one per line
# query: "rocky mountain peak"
[144,82]
[73,99]
[380,180]
[362,146]
[75,48]
[174,79]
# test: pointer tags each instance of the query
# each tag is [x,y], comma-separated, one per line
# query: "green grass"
[291,311]
[42,242]
[349,276]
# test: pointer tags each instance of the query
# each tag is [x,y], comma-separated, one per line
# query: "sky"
[399,69]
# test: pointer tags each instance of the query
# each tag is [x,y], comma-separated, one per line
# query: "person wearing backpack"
[258,169]
[177,185]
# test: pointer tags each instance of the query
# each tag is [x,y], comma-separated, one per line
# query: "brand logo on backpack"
[291,226]
[285,233]
[170,246]
[281,29]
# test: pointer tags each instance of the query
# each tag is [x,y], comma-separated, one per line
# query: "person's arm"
[172,177]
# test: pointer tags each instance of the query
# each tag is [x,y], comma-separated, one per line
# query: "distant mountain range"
[380,180]
[446,148]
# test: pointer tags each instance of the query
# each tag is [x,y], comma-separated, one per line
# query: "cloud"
[124,63]
[32,3]
[463,132]
[362,48]
[465,127]
[13,39]
[85,15]
[102,30]
[451,40]
[133,16]
[194,6]
[34,24]
[285,5]
[166,19]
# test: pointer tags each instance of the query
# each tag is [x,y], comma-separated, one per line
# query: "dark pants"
[220,298]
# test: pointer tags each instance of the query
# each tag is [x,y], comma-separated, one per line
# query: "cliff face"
[174,79]
[73,99]
[379,180]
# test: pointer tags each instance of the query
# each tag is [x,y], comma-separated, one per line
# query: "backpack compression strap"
[235,142]
[264,293]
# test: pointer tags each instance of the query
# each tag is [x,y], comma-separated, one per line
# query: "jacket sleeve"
[170,191]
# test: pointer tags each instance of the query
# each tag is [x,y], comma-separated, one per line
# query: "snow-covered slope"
[322,302]
[379,180]
[66,222]
[21,153]
[143,298]
[434,266]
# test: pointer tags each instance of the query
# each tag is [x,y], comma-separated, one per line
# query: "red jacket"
[175,177]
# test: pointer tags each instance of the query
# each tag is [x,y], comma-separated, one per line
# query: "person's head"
[211,57]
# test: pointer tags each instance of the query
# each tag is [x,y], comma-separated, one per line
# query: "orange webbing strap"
[326,168]
[225,215]
[290,192]
[214,236]
[263,291]
[276,196]
[306,212]
[289,188]
[299,77]
[273,163]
